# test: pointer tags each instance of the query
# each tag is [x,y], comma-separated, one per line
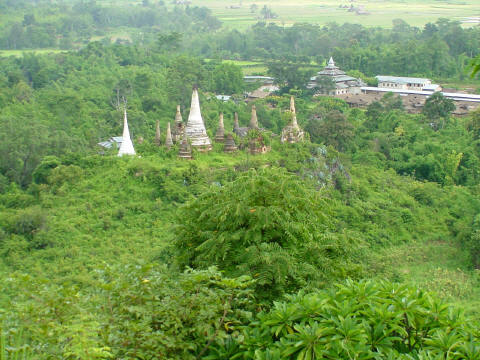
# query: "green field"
[19,53]
[381,13]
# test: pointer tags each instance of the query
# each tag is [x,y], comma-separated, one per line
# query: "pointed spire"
[331,63]
[126,148]
[168,139]
[157,133]
[253,119]
[292,104]
[294,114]
[220,135]
[236,125]
[178,116]
[195,129]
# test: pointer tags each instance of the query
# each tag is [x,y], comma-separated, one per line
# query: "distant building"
[341,83]
[407,83]
[265,80]
[267,86]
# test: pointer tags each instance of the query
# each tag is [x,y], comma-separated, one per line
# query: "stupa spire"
[126,148]
[253,119]
[220,135]
[195,129]
[294,113]
[157,133]
[168,139]
[178,116]
[331,63]
[236,125]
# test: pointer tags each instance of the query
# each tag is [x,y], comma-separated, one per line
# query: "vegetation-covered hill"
[314,250]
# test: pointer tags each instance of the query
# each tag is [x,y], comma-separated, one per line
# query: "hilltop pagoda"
[292,133]
[126,148]
[220,135]
[168,138]
[185,151]
[239,131]
[157,133]
[230,146]
[178,127]
[253,119]
[195,129]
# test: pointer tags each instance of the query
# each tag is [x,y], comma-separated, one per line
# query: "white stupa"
[126,148]
[195,129]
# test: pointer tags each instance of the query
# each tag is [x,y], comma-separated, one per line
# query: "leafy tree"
[438,107]
[259,225]
[333,129]
[228,79]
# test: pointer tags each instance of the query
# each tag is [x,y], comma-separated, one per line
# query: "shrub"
[266,224]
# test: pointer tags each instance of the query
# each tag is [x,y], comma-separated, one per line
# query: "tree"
[259,225]
[169,42]
[438,107]
[333,129]
[325,84]
[253,8]
[475,66]
[289,75]
[228,79]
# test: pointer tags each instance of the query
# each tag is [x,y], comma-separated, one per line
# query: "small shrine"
[220,135]
[185,151]
[230,146]
[178,127]
[157,133]
[292,133]
[168,138]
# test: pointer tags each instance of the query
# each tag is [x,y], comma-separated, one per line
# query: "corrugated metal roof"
[401,79]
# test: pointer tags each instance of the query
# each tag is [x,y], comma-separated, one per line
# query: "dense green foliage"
[363,320]
[265,224]
[231,256]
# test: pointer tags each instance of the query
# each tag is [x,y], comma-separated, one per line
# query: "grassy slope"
[121,211]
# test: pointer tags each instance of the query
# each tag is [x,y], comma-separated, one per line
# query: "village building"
[178,127]
[266,87]
[195,129]
[407,83]
[341,82]
[126,147]
[292,133]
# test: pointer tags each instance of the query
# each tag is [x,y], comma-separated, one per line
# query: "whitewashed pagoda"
[292,133]
[195,129]
[126,148]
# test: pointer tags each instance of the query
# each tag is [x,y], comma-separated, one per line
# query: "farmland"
[380,13]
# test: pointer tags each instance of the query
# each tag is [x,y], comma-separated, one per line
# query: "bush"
[360,320]
[266,224]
